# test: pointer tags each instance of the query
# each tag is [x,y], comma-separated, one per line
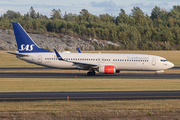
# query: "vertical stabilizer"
[24,42]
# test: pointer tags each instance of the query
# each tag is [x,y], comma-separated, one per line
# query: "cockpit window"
[163,60]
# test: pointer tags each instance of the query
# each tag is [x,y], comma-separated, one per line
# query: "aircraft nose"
[171,65]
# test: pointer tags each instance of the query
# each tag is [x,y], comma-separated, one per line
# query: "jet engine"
[107,69]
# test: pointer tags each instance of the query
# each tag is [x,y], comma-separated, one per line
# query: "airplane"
[104,63]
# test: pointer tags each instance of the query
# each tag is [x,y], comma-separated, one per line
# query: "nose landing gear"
[156,74]
[159,71]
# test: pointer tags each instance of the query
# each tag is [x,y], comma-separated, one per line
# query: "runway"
[40,68]
[115,95]
[83,75]
[79,75]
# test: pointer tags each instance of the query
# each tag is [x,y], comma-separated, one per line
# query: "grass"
[8,60]
[114,109]
[76,84]
[133,109]
[90,105]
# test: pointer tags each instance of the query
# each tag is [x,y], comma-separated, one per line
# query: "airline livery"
[100,62]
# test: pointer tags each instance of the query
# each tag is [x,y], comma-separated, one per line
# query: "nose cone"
[170,65]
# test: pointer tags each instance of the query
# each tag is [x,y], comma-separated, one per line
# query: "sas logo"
[26,48]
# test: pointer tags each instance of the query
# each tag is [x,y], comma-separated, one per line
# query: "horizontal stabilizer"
[19,54]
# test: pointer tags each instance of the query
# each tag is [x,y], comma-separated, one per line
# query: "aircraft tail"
[24,42]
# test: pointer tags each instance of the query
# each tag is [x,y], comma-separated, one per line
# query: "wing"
[78,64]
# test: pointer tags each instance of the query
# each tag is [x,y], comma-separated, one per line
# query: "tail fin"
[24,42]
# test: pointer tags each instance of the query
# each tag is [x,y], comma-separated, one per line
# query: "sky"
[96,7]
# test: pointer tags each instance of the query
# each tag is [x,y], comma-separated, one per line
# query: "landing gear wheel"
[92,73]
[88,73]
[156,75]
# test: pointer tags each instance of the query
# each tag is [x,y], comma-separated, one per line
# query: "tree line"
[136,31]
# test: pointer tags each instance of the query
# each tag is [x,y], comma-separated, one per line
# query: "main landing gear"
[91,73]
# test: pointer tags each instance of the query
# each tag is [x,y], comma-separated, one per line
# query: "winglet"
[58,56]
[79,51]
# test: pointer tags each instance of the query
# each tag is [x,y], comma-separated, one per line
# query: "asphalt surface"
[119,95]
[115,95]
[40,68]
[78,75]
[83,75]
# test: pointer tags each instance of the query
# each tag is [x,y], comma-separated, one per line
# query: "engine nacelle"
[107,69]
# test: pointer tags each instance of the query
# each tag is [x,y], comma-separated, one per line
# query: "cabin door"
[153,61]
[40,59]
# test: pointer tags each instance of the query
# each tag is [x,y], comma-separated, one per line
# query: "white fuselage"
[137,62]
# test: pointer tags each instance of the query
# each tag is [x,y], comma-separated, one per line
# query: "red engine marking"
[109,69]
